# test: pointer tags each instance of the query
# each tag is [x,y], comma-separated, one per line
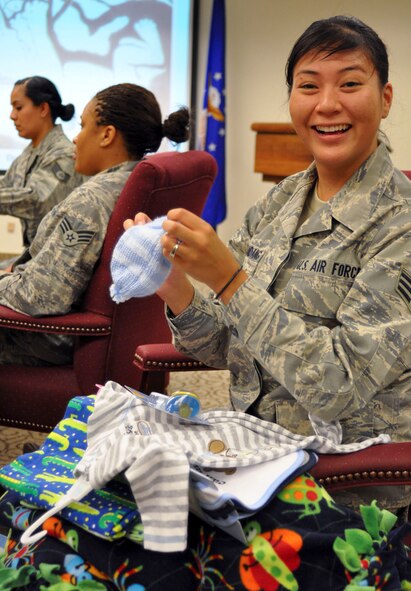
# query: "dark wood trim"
[279,151]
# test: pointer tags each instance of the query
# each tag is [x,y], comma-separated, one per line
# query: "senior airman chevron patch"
[404,286]
[72,237]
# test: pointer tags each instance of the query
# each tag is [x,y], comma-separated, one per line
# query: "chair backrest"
[160,182]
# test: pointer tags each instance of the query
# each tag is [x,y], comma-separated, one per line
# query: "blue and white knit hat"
[138,266]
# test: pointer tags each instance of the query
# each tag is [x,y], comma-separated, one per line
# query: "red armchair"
[106,333]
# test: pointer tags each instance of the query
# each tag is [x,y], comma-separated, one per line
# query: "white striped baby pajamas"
[154,450]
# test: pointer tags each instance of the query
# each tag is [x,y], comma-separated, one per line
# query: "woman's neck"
[36,141]
[332,179]
[329,183]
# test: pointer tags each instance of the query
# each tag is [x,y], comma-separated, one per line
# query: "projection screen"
[86,45]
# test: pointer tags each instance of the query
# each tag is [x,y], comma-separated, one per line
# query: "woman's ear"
[387,99]
[44,110]
[108,136]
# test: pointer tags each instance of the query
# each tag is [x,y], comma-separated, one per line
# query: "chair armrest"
[165,357]
[76,323]
[385,464]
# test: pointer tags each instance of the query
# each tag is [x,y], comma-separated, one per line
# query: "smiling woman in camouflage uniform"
[43,175]
[316,320]
[313,308]
[118,126]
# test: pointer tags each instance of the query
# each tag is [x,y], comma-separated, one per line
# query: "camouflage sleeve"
[6,179]
[201,330]
[56,277]
[254,219]
[49,184]
[332,372]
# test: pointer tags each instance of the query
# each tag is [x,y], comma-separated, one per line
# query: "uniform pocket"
[360,426]
[292,416]
[386,413]
[315,295]
[377,417]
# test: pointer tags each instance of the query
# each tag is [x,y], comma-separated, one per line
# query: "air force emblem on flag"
[404,286]
[73,237]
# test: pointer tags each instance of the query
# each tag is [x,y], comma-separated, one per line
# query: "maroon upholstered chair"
[388,464]
[106,333]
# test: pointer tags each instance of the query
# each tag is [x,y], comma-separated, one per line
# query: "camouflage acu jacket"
[323,323]
[37,180]
[61,259]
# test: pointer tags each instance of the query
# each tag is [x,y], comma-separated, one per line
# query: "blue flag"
[214,109]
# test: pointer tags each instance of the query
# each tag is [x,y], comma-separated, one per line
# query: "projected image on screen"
[86,45]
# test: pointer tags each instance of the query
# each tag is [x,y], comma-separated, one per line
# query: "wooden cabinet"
[279,151]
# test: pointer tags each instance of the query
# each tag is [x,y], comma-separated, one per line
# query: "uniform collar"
[363,190]
[291,211]
[320,221]
[48,140]
[127,165]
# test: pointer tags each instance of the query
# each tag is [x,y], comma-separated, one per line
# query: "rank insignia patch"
[72,237]
[404,286]
[60,174]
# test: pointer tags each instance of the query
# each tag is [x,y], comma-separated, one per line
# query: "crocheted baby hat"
[138,266]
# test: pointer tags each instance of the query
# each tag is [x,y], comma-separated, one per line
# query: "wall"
[259,37]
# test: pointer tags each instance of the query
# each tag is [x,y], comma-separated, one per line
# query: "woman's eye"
[351,84]
[307,86]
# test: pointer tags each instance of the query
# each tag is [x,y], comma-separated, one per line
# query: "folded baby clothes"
[154,451]
[133,444]
[138,266]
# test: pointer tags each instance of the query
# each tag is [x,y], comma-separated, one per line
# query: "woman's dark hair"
[135,113]
[335,34]
[41,90]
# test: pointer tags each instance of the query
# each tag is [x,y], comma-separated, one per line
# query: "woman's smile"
[331,129]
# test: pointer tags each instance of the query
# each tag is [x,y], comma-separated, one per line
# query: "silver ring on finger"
[174,250]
